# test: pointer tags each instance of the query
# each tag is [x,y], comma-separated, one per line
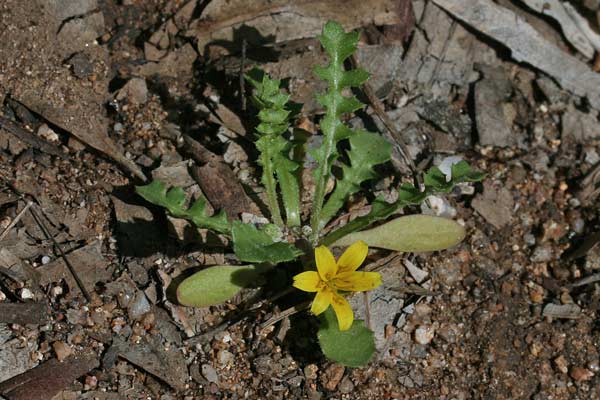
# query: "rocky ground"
[97,96]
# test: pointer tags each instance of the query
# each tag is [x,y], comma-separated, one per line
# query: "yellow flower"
[333,277]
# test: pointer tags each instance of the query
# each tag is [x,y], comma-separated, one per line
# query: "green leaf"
[253,245]
[435,182]
[352,348]
[412,233]
[215,285]
[436,179]
[274,114]
[338,45]
[462,172]
[366,150]
[411,195]
[174,201]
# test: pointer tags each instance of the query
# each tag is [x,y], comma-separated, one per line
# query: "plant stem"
[322,176]
[268,179]
[329,125]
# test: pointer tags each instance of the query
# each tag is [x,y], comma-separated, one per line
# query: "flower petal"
[308,281]
[353,257]
[357,281]
[322,301]
[343,311]
[326,264]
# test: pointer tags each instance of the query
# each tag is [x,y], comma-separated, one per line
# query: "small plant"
[342,338]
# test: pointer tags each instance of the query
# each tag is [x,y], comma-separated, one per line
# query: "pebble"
[591,156]
[47,133]
[439,207]
[578,225]
[424,334]
[118,127]
[561,364]
[346,385]
[310,371]
[209,373]
[581,374]
[542,254]
[594,366]
[332,376]
[62,350]
[296,381]
[26,294]
[529,239]
[225,357]
[135,91]
[446,165]
[138,306]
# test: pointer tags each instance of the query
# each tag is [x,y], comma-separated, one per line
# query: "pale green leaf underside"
[215,285]
[352,348]
[412,233]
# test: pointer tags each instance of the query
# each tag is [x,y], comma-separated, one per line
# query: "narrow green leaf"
[253,245]
[215,285]
[366,150]
[352,348]
[174,201]
[412,233]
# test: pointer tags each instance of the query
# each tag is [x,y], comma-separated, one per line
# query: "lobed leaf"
[274,115]
[339,45]
[253,245]
[174,200]
[435,182]
[411,233]
[352,348]
[366,150]
[215,285]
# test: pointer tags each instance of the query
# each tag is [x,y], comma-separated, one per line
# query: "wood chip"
[223,189]
[88,262]
[556,10]
[152,357]
[23,313]
[282,20]
[46,380]
[562,311]
[527,45]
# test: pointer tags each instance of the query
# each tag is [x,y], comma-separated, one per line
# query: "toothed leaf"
[462,172]
[366,150]
[338,45]
[274,115]
[174,201]
[253,245]
[435,182]
[436,179]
